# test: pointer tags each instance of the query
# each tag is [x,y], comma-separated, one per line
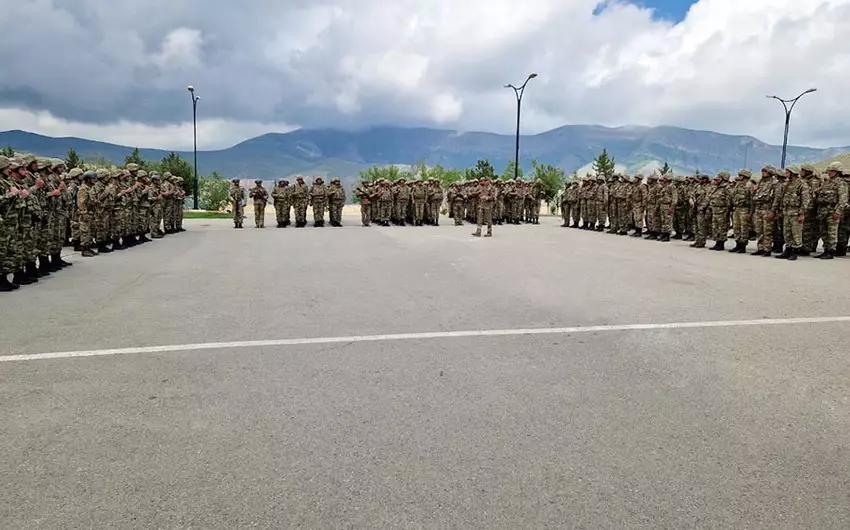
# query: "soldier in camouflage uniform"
[11,200]
[637,200]
[793,198]
[336,202]
[401,201]
[261,197]
[667,198]
[365,195]
[720,205]
[454,198]
[486,199]
[318,199]
[653,220]
[763,192]
[741,201]
[237,202]
[701,205]
[300,196]
[831,199]
[280,198]
[810,225]
[385,202]
[435,200]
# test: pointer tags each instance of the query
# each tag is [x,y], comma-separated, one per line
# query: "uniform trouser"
[741,224]
[156,218]
[300,212]
[435,211]
[75,225]
[614,215]
[535,208]
[419,211]
[167,214]
[179,213]
[681,222]
[335,212]
[843,231]
[278,211]
[259,214]
[10,249]
[703,228]
[516,212]
[638,217]
[366,214]
[400,210]
[238,213]
[384,210]
[601,213]
[485,218]
[40,230]
[810,230]
[665,218]
[792,229]
[85,229]
[719,225]
[318,211]
[624,212]
[764,228]
[572,211]
[57,238]
[653,218]
[143,220]
[827,228]
[499,209]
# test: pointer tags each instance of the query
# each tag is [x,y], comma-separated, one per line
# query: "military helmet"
[74,173]
[132,167]
[167,175]
[835,166]
[155,176]
[90,175]
[299,177]
[234,180]
[652,176]
[5,162]
[26,160]
[807,167]
[794,170]
[258,181]
[141,173]
[335,180]
[102,173]
[318,179]
[744,172]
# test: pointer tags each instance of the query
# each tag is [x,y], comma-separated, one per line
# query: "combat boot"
[757,253]
[652,236]
[664,237]
[117,245]
[103,249]
[840,252]
[60,263]
[5,285]
[697,245]
[826,254]
[638,232]
[719,245]
[676,235]
[785,254]
[88,253]
[22,278]
[477,232]
[803,252]
[143,238]
[76,244]
[43,265]
[734,250]
[31,271]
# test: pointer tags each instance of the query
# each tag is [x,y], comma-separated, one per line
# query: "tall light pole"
[788,110]
[518,92]
[195,138]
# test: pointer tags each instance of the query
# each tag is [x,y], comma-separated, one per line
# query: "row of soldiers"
[44,207]
[786,211]
[288,199]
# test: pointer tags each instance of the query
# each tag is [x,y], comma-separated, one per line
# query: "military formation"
[786,212]
[402,202]
[45,207]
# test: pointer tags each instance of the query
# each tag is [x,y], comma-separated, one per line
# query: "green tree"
[553,179]
[604,164]
[213,192]
[179,168]
[391,173]
[96,162]
[73,160]
[7,151]
[665,169]
[135,158]
[482,169]
[508,173]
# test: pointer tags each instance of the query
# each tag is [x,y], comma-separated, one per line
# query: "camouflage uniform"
[318,199]
[336,202]
[701,204]
[365,195]
[637,198]
[300,196]
[653,221]
[763,192]
[385,202]
[741,201]
[237,202]
[831,199]
[454,196]
[435,200]
[720,204]
[280,197]
[486,200]
[794,198]
[810,225]
[261,197]
[667,198]
[844,225]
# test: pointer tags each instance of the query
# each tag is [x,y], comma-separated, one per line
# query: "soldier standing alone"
[486,200]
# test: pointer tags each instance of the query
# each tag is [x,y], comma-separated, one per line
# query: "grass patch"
[207,215]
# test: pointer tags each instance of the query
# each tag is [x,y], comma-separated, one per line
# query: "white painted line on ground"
[422,336]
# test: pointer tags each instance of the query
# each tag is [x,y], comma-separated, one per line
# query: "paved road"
[711,426]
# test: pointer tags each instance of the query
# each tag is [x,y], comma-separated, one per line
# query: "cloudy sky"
[117,70]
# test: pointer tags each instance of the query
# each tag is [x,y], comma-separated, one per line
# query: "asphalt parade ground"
[409,377]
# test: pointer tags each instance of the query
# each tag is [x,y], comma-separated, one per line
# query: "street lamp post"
[195,138]
[519,91]
[788,110]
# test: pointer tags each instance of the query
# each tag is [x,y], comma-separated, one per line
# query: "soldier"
[718,200]
[810,225]
[261,198]
[318,198]
[486,200]
[602,198]
[85,207]
[237,201]
[700,201]
[741,202]
[794,198]
[385,202]
[364,194]
[572,203]
[455,198]
[763,192]
[844,225]
[300,197]
[667,198]
[565,209]
[143,198]
[653,221]
[155,197]
[280,198]
[435,200]
[180,194]
[588,193]
[401,201]
[336,202]
[680,213]
[831,198]
[105,195]
[637,199]
[11,199]
[167,189]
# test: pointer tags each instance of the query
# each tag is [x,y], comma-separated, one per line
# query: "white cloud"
[322,63]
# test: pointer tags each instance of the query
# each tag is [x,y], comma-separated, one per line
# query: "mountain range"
[344,153]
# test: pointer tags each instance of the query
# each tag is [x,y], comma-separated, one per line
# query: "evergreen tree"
[73,160]
[604,164]
[7,151]
[665,169]
[135,158]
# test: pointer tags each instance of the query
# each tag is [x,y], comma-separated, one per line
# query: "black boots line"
[32,271]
